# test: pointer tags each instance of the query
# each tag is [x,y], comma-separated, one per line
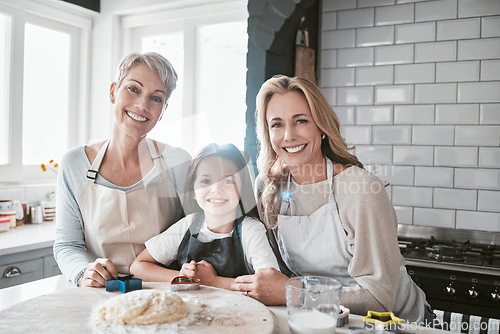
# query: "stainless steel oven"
[459,271]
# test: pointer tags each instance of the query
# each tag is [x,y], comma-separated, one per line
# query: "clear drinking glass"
[312,304]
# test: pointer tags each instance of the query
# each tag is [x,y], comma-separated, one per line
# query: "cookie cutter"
[343,318]
[124,284]
[382,320]
[184,283]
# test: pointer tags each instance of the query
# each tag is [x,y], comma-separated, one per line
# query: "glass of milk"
[312,304]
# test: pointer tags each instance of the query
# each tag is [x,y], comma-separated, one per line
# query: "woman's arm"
[368,217]
[147,268]
[69,246]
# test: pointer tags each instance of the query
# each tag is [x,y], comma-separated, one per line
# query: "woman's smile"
[135,116]
[295,149]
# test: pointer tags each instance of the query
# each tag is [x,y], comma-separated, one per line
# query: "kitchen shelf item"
[5,205]
[124,284]
[184,283]
[11,215]
[36,215]
[4,224]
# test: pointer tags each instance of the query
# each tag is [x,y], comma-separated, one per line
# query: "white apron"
[317,245]
[117,223]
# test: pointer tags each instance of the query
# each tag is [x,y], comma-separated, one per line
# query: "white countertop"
[27,237]
[16,294]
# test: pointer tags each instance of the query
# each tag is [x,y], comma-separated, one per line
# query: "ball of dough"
[144,307]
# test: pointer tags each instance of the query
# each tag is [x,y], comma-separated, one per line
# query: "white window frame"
[183,16]
[59,17]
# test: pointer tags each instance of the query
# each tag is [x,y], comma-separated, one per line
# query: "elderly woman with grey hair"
[114,195]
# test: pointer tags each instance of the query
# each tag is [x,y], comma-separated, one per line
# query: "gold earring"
[323,136]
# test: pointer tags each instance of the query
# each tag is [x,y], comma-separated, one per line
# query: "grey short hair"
[154,61]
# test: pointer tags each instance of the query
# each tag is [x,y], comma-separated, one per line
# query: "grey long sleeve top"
[69,248]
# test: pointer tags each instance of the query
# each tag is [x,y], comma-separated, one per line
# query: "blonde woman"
[326,214]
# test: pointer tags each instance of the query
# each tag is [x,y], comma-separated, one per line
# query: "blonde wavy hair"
[272,168]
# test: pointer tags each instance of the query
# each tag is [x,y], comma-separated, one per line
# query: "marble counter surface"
[27,237]
[14,295]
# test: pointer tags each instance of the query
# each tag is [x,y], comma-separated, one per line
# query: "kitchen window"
[43,87]
[207,45]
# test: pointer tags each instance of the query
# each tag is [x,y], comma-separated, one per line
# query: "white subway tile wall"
[375,36]
[391,134]
[455,156]
[416,32]
[457,71]
[458,29]
[434,217]
[490,69]
[489,157]
[374,115]
[404,214]
[435,10]
[491,27]
[488,200]
[395,175]
[455,199]
[457,114]
[434,177]
[379,75]
[394,14]
[416,86]
[489,114]
[355,57]
[414,73]
[414,114]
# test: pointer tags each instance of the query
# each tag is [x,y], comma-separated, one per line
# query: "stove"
[459,270]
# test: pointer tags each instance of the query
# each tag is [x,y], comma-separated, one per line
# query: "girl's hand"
[266,285]
[206,273]
[189,269]
[97,273]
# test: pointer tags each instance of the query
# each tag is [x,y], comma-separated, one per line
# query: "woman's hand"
[189,269]
[266,285]
[97,273]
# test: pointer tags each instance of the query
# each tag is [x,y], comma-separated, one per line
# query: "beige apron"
[117,223]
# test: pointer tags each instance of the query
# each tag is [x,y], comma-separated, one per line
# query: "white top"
[256,249]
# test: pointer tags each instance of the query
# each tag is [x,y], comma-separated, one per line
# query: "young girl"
[222,239]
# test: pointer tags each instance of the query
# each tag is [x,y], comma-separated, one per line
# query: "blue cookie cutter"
[124,284]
